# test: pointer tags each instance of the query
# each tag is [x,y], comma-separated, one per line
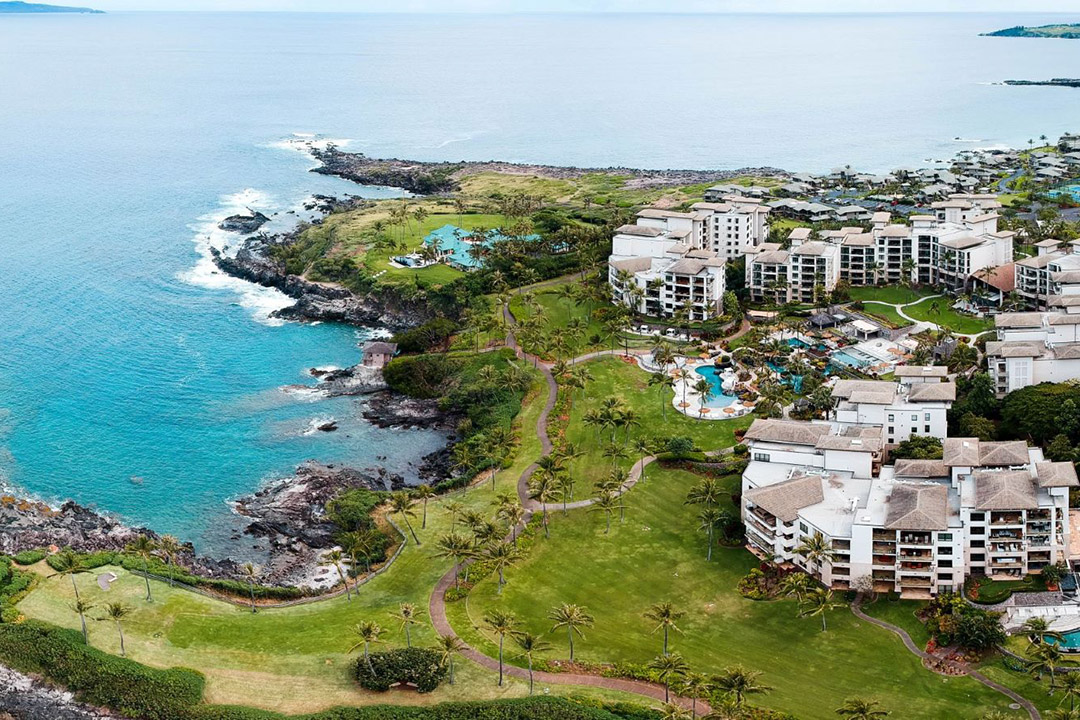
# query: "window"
[980,530]
[945,576]
[803,528]
[914,418]
[926,417]
[927,430]
[944,563]
[763,457]
[945,550]
[978,517]
[944,537]
[978,543]
[891,417]
[978,557]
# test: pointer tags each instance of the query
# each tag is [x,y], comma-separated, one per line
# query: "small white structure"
[1034,347]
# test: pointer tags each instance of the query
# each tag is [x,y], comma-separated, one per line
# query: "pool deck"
[693,406]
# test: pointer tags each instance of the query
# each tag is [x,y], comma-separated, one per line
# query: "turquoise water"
[719,399]
[1070,640]
[126,136]
[1071,192]
[452,238]
[851,358]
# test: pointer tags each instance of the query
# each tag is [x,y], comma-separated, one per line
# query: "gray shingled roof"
[1010,452]
[377,347]
[1056,474]
[786,498]
[918,507]
[960,452]
[931,392]
[1009,490]
[845,389]
[1018,320]
[642,230]
[1014,349]
[637,264]
[787,431]
[920,468]
[936,371]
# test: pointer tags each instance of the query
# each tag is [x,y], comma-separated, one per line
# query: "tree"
[707,492]
[407,616]
[818,602]
[694,686]
[250,573]
[978,629]
[1069,685]
[643,447]
[169,549]
[143,546]
[918,447]
[573,618]
[737,683]
[817,550]
[369,631]
[971,425]
[1044,658]
[542,488]
[668,668]
[401,502]
[450,645]
[424,493]
[116,612]
[797,584]
[530,644]
[1060,449]
[859,709]
[502,624]
[67,562]
[704,389]
[499,556]
[82,607]
[334,559]
[1037,629]
[709,518]
[607,503]
[665,615]
[457,548]
[662,381]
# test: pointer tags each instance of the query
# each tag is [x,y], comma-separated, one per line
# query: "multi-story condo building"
[1033,348]
[1052,277]
[731,227]
[804,273]
[916,405]
[917,527]
[655,269]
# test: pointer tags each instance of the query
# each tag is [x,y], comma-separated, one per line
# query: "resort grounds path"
[1032,711]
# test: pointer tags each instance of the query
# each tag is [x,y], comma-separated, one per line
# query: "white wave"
[967,140]
[314,423]
[305,393]
[306,142]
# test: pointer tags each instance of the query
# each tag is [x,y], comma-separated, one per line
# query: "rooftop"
[918,506]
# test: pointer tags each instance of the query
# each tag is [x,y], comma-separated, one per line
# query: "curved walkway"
[1032,711]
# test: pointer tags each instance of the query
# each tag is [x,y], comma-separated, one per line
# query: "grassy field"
[947,317]
[892,294]
[615,378]
[886,312]
[657,555]
[291,660]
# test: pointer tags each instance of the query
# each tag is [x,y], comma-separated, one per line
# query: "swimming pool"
[1069,642]
[719,399]
[797,343]
[853,357]
[1071,192]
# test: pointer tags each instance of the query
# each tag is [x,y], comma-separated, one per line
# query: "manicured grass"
[992,592]
[892,294]
[613,377]
[658,555]
[885,312]
[558,313]
[947,317]
[902,614]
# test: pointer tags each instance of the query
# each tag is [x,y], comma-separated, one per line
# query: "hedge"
[422,667]
[97,677]
[534,708]
[29,557]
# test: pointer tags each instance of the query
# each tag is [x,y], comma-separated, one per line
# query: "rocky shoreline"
[24,698]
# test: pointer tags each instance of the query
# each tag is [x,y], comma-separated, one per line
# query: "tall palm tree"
[513,515]
[82,607]
[818,602]
[368,631]
[424,493]
[449,645]
[143,546]
[573,618]
[502,624]
[457,548]
[117,612]
[454,508]
[817,551]
[401,502]
[334,558]
[530,644]
[607,503]
[407,616]
[737,683]
[707,492]
[1070,688]
[1042,659]
[704,389]
[644,448]
[543,488]
[661,381]
[665,615]
[709,518]
[615,453]
[359,543]
[694,686]
[796,584]
[499,556]
[859,709]
[251,574]
[668,668]
[169,549]
[1037,629]
[67,562]
[682,375]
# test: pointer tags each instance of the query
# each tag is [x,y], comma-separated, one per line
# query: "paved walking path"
[923,324]
[1032,711]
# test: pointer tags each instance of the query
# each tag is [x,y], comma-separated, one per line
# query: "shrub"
[29,557]
[533,708]
[421,667]
[96,677]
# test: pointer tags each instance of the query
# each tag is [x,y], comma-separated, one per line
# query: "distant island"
[1066,31]
[1058,82]
[25,8]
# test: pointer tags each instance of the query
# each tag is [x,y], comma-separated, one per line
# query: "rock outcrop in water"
[244,224]
[25,525]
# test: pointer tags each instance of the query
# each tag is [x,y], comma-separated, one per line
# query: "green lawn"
[886,312]
[892,294]
[947,317]
[613,377]
[902,614]
[559,312]
[657,555]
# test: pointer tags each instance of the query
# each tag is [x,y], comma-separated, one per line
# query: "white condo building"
[1033,348]
[1052,277]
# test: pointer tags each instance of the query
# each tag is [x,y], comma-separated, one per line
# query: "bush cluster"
[97,677]
[29,557]
[14,584]
[421,667]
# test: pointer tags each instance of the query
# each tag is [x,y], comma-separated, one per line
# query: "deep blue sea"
[125,137]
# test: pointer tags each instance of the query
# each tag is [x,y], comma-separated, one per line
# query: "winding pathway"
[1032,711]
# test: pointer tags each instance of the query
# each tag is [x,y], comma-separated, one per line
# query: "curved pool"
[719,398]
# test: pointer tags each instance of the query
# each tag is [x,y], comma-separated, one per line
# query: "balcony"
[841,545]
[917,539]
[918,554]
[884,548]
[1006,518]
[915,582]
[885,536]
[884,575]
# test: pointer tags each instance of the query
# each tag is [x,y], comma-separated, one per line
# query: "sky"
[689,6]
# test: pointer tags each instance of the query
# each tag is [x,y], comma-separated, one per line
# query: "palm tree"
[707,492]
[82,607]
[457,548]
[530,644]
[704,389]
[796,584]
[502,624]
[1044,658]
[694,685]
[359,543]
[737,683]
[859,709]
[682,375]
[573,618]
[369,631]
[607,503]
[818,602]
[661,381]
[709,518]
[169,549]
[644,448]
[117,612]
[668,668]
[1070,688]
[816,549]
[423,493]
[1063,714]
[500,556]
[401,502]
[334,559]
[144,547]
[251,574]
[454,508]
[449,645]
[542,489]
[1037,629]
[665,616]
[673,711]
[67,562]
[407,615]
[513,514]
[615,453]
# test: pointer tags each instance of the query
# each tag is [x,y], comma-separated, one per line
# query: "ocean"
[136,379]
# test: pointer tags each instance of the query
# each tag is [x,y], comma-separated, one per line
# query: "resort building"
[916,405]
[1052,277]
[1033,348]
[731,227]
[805,273]
[917,527]
[378,353]
[656,269]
